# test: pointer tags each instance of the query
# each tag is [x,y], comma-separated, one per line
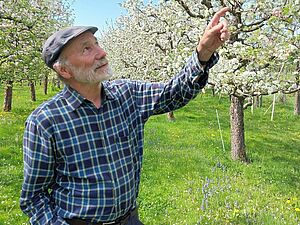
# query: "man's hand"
[215,34]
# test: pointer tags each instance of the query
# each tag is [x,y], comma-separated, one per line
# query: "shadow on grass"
[278,162]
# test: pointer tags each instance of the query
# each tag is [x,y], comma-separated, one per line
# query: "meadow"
[187,176]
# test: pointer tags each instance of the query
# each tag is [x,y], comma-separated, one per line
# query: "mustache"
[101,62]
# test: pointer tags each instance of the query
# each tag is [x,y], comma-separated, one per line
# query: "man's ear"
[62,71]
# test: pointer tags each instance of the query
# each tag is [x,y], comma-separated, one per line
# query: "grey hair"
[61,61]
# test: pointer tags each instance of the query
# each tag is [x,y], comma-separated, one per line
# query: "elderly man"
[83,149]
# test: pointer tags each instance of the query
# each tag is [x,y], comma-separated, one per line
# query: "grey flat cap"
[56,42]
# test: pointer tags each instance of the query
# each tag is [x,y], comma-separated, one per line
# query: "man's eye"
[86,49]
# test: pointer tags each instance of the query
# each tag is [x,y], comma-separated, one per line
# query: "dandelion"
[236,211]
[288,201]
[297,209]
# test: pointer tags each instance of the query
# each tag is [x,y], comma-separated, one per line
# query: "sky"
[96,12]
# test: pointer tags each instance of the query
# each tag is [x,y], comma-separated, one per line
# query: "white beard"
[92,75]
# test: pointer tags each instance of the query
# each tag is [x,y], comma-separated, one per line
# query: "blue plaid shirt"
[83,162]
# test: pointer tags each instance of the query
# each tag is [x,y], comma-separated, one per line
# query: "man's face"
[86,61]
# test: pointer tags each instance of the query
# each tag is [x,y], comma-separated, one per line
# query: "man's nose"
[100,53]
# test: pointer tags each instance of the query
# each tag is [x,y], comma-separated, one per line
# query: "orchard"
[24,27]
[188,176]
[261,58]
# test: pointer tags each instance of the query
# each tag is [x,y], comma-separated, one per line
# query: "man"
[83,148]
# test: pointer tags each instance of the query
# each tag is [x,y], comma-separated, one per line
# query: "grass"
[187,177]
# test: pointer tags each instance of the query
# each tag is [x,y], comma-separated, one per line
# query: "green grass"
[187,177]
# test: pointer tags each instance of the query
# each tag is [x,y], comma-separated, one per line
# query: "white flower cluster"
[24,26]
[153,41]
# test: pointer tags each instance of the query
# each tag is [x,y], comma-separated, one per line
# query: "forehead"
[79,41]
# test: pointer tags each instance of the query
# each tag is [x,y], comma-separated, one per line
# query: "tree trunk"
[170,116]
[297,104]
[58,83]
[8,96]
[282,98]
[32,91]
[238,148]
[258,101]
[46,85]
[213,91]
[53,82]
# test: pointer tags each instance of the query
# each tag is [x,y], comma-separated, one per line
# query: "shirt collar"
[74,99]
[108,91]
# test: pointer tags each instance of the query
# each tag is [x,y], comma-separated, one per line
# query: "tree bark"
[58,83]
[282,98]
[238,147]
[213,91]
[8,96]
[297,104]
[171,116]
[258,101]
[46,85]
[32,91]
[53,82]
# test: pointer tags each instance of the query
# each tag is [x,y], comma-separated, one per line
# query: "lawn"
[187,176]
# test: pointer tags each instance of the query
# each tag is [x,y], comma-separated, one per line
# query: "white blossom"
[152,42]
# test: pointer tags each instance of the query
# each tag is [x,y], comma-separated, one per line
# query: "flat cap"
[57,41]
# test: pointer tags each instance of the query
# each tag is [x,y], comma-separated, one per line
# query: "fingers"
[224,32]
[218,27]
[224,36]
[216,18]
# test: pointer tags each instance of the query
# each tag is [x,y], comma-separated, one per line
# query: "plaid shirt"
[84,162]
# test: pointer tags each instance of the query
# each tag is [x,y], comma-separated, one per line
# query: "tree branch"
[246,105]
[269,93]
[253,29]
[10,18]
[128,65]
[160,47]
[258,22]
[189,12]
[208,4]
